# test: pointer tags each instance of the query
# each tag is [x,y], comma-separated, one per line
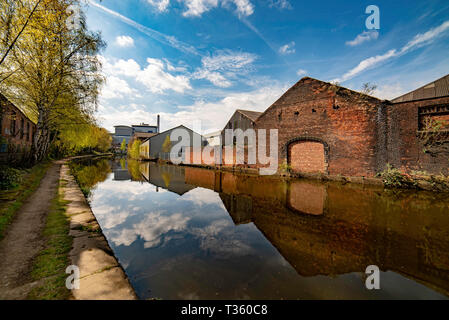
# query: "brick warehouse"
[333,130]
[16,131]
[408,116]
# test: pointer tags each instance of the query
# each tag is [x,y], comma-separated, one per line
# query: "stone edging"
[101,276]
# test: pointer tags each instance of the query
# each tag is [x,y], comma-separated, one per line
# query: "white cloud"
[214,77]
[363,37]
[280,4]
[195,8]
[289,48]
[244,7]
[116,88]
[301,72]
[160,5]
[151,229]
[154,34]
[155,77]
[157,80]
[124,41]
[367,64]
[389,91]
[225,65]
[201,197]
[213,114]
[427,37]
[418,41]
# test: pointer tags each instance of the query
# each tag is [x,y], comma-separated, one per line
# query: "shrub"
[393,178]
[285,167]
[9,177]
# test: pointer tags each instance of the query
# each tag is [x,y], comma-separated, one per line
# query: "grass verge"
[12,200]
[51,263]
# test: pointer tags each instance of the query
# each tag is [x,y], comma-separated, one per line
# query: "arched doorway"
[308,156]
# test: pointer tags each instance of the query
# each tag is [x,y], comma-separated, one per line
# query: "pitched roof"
[252,115]
[144,134]
[341,90]
[6,100]
[435,89]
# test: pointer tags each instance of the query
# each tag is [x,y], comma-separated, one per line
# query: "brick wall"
[322,128]
[16,129]
[348,124]
[405,149]
[307,156]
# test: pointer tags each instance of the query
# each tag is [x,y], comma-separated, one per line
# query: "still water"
[190,233]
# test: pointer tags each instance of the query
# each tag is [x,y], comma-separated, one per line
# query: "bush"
[393,178]
[285,167]
[9,177]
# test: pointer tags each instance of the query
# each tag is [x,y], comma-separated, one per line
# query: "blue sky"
[193,60]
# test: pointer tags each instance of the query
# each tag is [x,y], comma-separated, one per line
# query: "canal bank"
[389,178]
[53,229]
[101,276]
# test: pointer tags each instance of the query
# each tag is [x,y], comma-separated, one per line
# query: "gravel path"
[23,239]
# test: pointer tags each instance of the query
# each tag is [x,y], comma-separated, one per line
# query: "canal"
[191,233]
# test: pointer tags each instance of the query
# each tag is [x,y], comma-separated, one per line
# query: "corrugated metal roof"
[438,88]
[252,115]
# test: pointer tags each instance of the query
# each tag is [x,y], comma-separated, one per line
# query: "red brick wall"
[405,149]
[348,124]
[16,128]
[307,157]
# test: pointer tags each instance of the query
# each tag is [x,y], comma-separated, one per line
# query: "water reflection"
[195,233]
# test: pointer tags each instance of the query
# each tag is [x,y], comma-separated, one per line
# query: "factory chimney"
[158,124]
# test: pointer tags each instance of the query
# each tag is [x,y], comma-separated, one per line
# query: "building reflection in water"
[330,229]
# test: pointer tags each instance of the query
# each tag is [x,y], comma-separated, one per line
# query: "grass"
[51,263]
[12,200]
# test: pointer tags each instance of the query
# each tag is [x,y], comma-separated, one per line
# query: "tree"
[123,146]
[434,137]
[55,73]
[166,146]
[368,88]
[8,24]
[134,149]
[83,138]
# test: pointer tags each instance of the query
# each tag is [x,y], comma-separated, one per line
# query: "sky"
[190,60]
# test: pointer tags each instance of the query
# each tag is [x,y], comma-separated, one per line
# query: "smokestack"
[158,124]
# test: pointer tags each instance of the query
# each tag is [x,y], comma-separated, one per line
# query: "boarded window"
[307,156]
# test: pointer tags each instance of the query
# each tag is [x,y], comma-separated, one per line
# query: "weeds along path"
[23,239]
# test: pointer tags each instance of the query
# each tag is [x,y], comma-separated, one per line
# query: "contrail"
[156,35]
[260,35]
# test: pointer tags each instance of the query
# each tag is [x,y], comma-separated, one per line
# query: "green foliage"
[166,146]
[394,178]
[51,262]
[134,149]
[285,167]
[134,170]
[9,177]
[87,138]
[123,146]
[53,73]
[433,137]
[88,174]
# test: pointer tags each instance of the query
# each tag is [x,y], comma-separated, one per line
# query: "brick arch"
[314,145]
